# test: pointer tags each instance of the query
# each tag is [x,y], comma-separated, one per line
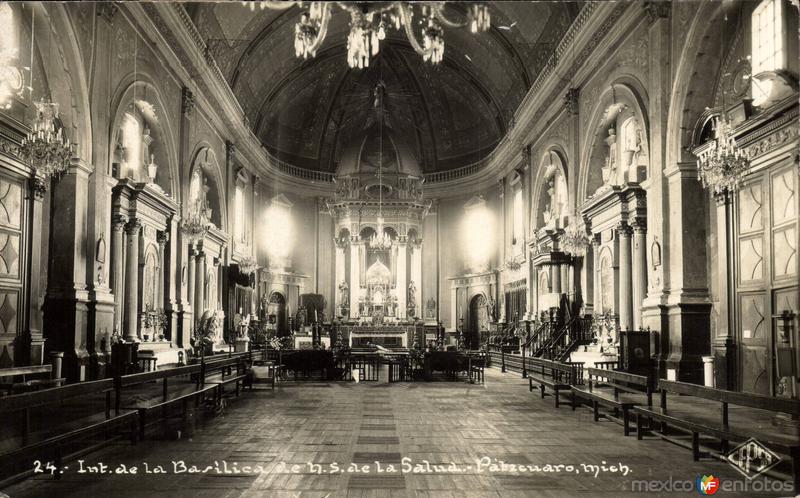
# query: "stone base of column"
[100,326]
[689,340]
[723,350]
[185,329]
[654,317]
[66,319]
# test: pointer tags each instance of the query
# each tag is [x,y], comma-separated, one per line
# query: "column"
[190,269]
[416,276]
[162,239]
[566,285]
[639,272]
[533,305]
[402,285]
[555,278]
[625,278]
[132,281]
[355,280]
[117,243]
[199,285]
[339,269]
[38,188]
[598,307]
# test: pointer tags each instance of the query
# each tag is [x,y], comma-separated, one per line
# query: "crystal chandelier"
[45,148]
[575,240]
[723,164]
[369,24]
[248,265]
[197,221]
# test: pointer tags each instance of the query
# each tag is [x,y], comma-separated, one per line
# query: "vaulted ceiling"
[452,114]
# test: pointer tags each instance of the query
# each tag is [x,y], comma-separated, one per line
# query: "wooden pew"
[234,370]
[620,391]
[178,386]
[554,375]
[729,416]
[28,378]
[52,419]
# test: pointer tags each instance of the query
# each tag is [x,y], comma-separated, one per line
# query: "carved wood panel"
[12,260]
[755,325]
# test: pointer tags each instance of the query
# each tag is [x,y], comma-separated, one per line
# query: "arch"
[624,97]
[553,163]
[477,321]
[121,104]
[150,280]
[67,81]
[204,161]
[276,307]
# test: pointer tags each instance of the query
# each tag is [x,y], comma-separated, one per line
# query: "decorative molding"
[38,187]
[133,226]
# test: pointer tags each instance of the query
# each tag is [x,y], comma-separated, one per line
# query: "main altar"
[378,210]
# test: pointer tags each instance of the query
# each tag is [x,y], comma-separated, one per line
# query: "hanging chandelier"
[575,240]
[722,165]
[46,148]
[197,221]
[369,24]
[380,240]
[248,265]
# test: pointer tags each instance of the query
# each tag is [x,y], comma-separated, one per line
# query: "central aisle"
[359,424]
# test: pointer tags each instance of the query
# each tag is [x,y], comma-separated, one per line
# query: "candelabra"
[723,164]
[46,148]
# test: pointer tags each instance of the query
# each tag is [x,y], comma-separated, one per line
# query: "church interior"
[280,248]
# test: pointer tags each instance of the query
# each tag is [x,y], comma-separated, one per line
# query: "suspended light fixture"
[368,26]
[575,240]
[380,240]
[248,265]
[722,164]
[46,147]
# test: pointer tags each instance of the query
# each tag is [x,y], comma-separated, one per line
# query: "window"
[519,226]
[768,50]
[239,213]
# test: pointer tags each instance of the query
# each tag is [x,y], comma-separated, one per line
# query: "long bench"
[14,380]
[620,391]
[179,385]
[726,415]
[39,434]
[235,370]
[554,375]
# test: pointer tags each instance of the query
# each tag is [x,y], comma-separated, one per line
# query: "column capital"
[571,99]
[656,9]
[118,222]
[133,226]
[162,238]
[624,230]
[187,101]
[38,187]
[639,226]
[230,150]
[722,198]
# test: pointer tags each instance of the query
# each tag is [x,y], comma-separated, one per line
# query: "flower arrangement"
[155,320]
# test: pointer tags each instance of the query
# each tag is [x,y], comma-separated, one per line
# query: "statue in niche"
[610,167]
[412,293]
[344,293]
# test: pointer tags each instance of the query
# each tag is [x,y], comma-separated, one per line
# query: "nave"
[440,422]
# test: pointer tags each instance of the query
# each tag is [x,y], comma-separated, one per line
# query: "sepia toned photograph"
[423,249]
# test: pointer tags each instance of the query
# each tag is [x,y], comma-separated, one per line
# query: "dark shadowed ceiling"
[453,114]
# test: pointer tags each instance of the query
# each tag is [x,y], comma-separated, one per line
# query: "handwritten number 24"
[38,468]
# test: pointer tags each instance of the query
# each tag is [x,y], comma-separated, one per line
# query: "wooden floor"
[345,423]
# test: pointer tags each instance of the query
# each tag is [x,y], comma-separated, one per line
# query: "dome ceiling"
[306,112]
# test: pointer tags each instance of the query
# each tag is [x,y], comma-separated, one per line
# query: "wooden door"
[13,246]
[766,271]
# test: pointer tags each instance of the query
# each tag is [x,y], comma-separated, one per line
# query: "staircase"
[555,338]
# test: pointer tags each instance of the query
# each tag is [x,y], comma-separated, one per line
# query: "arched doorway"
[276,314]
[478,321]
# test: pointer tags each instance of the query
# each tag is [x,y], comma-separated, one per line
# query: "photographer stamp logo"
[752,458]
